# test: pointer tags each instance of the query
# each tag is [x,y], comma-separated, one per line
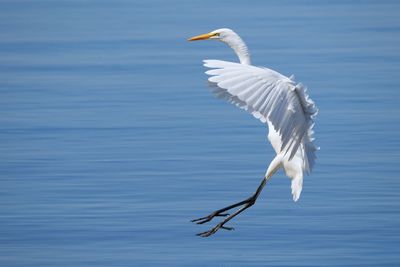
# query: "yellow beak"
[201,37]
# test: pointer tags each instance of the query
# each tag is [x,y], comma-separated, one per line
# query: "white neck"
[240,48]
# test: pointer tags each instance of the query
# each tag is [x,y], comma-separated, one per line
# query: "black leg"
[221,224]
[220,213]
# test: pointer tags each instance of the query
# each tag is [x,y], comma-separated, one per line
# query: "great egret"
[274,99]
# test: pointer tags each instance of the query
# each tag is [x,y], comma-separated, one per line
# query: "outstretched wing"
[270,96]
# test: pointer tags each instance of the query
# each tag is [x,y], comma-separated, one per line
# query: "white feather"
[270,96]
[275,100]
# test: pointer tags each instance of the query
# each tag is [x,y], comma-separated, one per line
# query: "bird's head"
[223,35]
[230,38]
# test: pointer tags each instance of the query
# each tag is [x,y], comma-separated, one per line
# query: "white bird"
[275,100]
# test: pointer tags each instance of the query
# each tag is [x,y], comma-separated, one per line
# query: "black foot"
[214,230]
[209,217]
[220,213]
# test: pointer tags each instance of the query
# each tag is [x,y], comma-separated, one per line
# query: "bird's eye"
[216,34]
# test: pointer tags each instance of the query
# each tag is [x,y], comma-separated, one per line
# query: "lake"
[111,141]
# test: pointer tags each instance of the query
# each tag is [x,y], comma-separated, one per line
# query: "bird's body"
[275,100]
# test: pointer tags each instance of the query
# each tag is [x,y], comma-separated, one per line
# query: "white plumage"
[272,98]
[276,100]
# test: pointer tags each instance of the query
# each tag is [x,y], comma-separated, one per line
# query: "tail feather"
[297,186]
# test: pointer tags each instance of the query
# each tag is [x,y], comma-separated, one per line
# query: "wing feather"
[270,96]
[250,84]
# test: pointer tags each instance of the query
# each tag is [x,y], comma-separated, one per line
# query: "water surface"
[111,141]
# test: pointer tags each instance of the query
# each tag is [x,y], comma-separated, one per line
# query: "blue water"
[111,141]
